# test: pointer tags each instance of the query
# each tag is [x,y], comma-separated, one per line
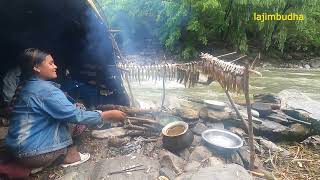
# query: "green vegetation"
[185,26]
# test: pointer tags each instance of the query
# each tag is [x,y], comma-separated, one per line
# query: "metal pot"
[177,136]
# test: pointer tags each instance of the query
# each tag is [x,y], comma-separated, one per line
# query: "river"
[149,93]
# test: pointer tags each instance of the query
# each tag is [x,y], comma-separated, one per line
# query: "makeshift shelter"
[72,31]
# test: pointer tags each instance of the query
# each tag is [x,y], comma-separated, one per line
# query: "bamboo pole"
[250,130]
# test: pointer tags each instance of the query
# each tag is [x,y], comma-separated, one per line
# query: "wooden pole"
[250,132]
[163,88]
[237,111]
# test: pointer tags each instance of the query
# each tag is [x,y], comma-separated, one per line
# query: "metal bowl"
[221,139]
[217,105]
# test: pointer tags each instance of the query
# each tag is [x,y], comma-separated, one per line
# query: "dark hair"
[30,58]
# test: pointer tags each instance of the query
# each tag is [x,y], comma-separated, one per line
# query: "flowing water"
[149,93]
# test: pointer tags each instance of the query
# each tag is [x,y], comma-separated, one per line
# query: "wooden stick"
[250,130]
[237,111]
[150,121]
[238,58]
[226,54]
[163,89]
[254,61]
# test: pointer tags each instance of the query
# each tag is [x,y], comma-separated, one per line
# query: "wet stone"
[203,113]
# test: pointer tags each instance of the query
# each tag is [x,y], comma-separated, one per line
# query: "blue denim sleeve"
[57,105]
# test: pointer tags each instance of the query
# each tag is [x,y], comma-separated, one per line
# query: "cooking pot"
[177,136]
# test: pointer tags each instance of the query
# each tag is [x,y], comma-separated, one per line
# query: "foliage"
[185,26]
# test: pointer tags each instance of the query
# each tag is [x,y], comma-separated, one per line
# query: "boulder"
[188,114]
[199,128]
[197,140]
[215,125]
[200,153]
[169,173]
[171,161]
[224,172]
[315,63]
[215,161]
[266,98]
[185,154]
[271,130]
[244,153]
[313,141]
[238,131]
[192,166]
[268,145]
[264,109]
[105,166]
[216,116]
[295,100]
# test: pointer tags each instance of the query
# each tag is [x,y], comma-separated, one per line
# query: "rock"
[225,172]
[117,142]
[171,161]
[215,125]
[69,176]
[297,131]
[271,129]
[192,166]
[200,153]
[203,113]
[216,116]
[188,114]
[234,157]
[244,153]
[197,140]
[106,133]
[268,145]
[215,161]
[264,109]
[238,131]
[313,141]
[199,128]
[184,154]
[295,100]
[169,173]
[279,117]
[105,166]
[266,98]
[307,66]
[315,63]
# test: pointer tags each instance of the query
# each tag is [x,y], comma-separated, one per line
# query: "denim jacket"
[38,123]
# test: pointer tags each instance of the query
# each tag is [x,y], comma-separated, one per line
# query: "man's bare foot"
[72,155]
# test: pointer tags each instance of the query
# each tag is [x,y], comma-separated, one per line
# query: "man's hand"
[113,115]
